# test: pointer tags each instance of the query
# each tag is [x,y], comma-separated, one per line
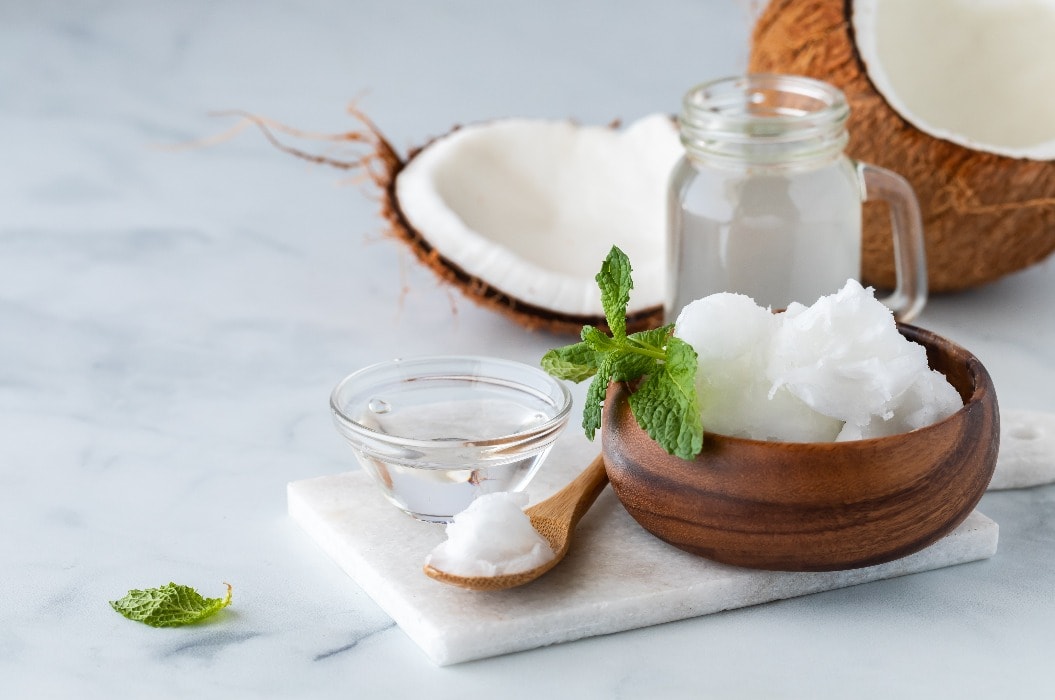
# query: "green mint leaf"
[655,339]
[591,412]
[616,366]
[640,354]
[596,340]
[665,404]
[169,606]
[627,365]
[615,284]
[575,363]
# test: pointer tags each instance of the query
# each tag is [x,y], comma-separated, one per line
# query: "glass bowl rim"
[553,424]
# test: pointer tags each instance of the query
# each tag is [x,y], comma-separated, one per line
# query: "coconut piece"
[966,85]
[517,212]
[945,93]
[530,206]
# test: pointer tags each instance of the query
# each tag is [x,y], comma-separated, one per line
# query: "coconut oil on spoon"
[554,519]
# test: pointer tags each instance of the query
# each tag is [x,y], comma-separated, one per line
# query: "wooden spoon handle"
[571,502]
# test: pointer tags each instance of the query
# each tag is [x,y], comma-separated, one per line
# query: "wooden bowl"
[813,506]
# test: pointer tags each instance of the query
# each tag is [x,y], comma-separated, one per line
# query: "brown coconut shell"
[984,215]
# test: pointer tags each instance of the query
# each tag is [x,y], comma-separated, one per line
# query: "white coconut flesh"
[532,207]
[978,73]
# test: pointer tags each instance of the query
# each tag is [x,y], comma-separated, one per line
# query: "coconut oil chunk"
[492,537]
[836,370]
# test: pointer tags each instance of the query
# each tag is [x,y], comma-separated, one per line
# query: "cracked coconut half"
[953,94]
[517,212]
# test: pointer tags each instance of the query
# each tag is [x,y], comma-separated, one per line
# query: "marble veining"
[358,637]
[172,322]
[209,646]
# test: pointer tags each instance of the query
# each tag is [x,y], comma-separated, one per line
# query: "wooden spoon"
[555,518]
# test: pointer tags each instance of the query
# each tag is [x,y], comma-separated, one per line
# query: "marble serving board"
[616,577]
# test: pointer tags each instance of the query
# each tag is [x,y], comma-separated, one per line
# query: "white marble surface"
[172,323]
[616,576]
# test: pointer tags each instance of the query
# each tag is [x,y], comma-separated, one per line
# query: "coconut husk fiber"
[984,215]
[381,164]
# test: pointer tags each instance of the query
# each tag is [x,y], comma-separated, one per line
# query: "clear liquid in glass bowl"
[435,433]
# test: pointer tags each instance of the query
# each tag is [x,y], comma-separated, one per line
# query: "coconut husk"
[984,215]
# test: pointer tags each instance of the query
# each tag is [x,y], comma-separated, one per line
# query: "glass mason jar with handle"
[765,203]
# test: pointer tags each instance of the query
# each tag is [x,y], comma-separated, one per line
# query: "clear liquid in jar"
[777,236]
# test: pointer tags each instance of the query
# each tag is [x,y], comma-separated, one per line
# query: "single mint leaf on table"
[169,606]
[665,403]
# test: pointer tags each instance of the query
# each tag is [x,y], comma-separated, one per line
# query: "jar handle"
[910,258]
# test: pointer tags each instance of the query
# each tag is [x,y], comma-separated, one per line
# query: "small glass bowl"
[436,432]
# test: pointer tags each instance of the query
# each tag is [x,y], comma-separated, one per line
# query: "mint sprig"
[169,606]
[664,403]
